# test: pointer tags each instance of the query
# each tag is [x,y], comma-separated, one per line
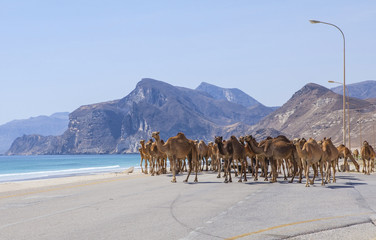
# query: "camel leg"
[364,166]
[241,172]
[229,171]
[225,169]
[152,166]
[334,172]
[245,169]
[196,180]
[190,169]
[300,174]
[235,168]
[142,170]
[315,173]
[284,169]
[322,174]
[345,165]
[146,166]
[295,166]
[274,173]
[255,169]
[266,166]
[173,163]
[306,171]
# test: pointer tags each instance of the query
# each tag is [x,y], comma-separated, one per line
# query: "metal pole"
[344,78]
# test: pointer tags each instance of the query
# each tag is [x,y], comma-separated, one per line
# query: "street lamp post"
[348,112]
[344,82]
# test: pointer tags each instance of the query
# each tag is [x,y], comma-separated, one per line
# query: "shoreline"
[47,182]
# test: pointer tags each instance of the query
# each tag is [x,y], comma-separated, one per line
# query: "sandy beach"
[40,183]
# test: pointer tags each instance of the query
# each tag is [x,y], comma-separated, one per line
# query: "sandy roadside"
[23,185]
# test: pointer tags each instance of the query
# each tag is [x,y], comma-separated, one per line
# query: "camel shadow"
[256,182]
[338,187]
[348,178]
[207,182]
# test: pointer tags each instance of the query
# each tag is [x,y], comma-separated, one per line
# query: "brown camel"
[373,156]
[239,154]
[356,154]
[345,153]
[260,159]
[310,155]
[203,154]
[276,148]
[366,153]
[226,151]
[179,147]
[330,157]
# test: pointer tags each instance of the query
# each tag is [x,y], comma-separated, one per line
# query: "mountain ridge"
[117,126]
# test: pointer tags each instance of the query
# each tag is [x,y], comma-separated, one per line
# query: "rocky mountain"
[361,90]
[229,94]
[55,125]
[117,126]
[315,111]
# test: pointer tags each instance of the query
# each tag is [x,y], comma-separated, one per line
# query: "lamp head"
[314,21]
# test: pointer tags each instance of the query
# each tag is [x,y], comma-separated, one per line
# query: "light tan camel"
[311,155]
[159,160]
[330,157]
[345,153]
[179,147]
[144,156]
[276,148]
[213,153]
[203,154]
[152,163]
[366,153]
[146,149]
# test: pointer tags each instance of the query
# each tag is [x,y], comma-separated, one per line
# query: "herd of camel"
[279,153]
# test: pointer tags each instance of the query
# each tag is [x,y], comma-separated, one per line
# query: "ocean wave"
[11,177]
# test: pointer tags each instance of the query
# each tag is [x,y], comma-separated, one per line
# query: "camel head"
[365,143]
[142,142]
[155,135]
[218,139]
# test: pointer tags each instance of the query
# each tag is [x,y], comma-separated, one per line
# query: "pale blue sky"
[58,55]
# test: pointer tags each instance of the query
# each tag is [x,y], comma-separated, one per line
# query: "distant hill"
[55,125]
[361,90]
[117,126]
[315,111]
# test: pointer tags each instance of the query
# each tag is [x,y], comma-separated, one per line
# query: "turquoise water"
[19,168]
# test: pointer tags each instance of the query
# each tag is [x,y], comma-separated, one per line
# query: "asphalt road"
[146,207]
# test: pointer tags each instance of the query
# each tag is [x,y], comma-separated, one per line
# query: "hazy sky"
[58,55]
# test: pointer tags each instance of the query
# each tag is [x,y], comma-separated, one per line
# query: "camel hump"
[266,146]
[307,147]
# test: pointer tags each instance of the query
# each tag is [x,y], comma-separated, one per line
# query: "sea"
[22,168]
